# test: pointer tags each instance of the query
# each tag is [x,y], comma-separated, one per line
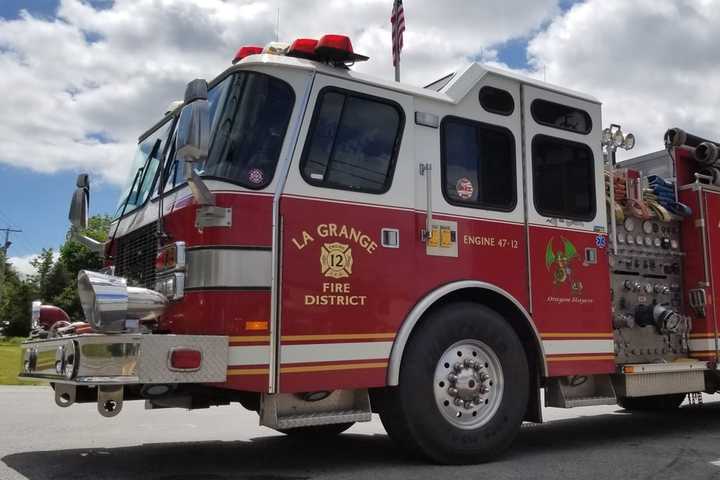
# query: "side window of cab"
[353,142]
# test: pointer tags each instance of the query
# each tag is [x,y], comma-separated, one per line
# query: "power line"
[4,249]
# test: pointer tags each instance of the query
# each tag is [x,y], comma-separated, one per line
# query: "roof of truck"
[454,91]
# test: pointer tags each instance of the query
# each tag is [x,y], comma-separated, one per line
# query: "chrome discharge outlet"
[111,306]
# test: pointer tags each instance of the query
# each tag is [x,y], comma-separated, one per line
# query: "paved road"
[40,441]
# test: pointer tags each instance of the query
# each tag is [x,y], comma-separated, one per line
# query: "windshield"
[142,172]
[249,132]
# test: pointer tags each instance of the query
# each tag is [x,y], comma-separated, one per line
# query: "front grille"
[135,256]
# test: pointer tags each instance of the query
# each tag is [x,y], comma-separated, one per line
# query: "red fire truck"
[318,245]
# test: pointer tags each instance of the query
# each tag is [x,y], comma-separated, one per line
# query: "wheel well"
[519,322]
[510,312]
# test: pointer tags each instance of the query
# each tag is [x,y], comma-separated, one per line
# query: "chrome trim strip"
[393,373]
[227,268]
[282,173]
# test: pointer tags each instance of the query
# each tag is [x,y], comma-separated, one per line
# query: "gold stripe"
[579,357]
[340,336]
[702,335]
[577,335]
[332,368]
[249,371]
[310,368]
[251,338]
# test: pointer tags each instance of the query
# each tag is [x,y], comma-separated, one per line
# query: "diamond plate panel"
[153,365]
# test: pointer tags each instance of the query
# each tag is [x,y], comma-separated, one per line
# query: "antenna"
[277,26]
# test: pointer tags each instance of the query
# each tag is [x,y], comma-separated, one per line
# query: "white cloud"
[22,265]
[88,76]
[655,64]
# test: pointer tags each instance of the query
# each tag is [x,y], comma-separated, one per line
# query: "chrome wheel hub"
[468,384]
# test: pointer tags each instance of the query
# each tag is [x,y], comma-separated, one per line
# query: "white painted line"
[557,347]
[716,463]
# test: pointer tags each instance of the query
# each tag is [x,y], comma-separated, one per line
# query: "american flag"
[397,20]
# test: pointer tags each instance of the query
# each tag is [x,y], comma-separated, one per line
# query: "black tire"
[317,431]
[412,416]
[655,403]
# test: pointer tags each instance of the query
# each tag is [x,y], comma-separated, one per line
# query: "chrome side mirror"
[193,131]
[193,138]
[78,214]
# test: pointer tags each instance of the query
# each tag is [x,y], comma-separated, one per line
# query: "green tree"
[54,283]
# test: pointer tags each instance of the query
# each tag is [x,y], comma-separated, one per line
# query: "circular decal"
[464,188]
[256,176]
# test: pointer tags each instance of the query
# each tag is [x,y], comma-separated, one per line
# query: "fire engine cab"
[319,244]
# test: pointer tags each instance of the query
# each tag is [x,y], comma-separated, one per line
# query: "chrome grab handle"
[426,171]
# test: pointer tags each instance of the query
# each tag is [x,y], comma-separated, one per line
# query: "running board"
[286,410]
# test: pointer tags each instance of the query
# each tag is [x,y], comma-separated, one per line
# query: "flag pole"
[395,45]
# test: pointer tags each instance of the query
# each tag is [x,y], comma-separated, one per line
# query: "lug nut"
[457,402]
[484,389]
[476,400]
[469,363]
[484,377]
[452,378]
[467,405]
[457,367]
[453,392]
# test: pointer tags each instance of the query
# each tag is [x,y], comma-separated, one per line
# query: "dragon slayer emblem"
[559,262]
[336,260]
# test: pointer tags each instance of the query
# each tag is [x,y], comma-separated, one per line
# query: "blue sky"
[37,203]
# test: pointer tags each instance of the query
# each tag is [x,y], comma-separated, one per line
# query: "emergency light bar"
[333,49]
[246,51]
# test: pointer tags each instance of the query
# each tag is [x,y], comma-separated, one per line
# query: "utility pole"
[4,249]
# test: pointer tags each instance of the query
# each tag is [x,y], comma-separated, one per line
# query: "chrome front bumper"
[122,359]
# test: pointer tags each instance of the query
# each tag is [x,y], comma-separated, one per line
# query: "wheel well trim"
[408,325]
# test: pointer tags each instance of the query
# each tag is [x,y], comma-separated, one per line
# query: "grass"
[10,362]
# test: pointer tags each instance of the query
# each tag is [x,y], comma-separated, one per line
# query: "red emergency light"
[303,48]
[337,49]
[246,51]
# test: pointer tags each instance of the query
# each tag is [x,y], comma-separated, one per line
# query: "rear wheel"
[653,403]
[317,431]
[463,387]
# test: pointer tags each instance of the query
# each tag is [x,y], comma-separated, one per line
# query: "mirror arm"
[199,190]
[91,243]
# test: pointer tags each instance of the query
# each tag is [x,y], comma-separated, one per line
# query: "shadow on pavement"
[361,456]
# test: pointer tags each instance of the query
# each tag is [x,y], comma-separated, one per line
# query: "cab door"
[347,237]
[569,273]
[473,162]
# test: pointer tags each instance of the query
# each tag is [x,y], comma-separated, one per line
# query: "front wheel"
[463,389]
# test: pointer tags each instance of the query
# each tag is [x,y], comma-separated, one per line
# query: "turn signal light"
[185,359]
[246,51]
[170,256]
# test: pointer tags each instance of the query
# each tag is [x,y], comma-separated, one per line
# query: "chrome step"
[590,401]
[579,391]
[310,419]
[287,410]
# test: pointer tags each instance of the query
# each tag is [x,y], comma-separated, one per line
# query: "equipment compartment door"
[347,237]
[567,232]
